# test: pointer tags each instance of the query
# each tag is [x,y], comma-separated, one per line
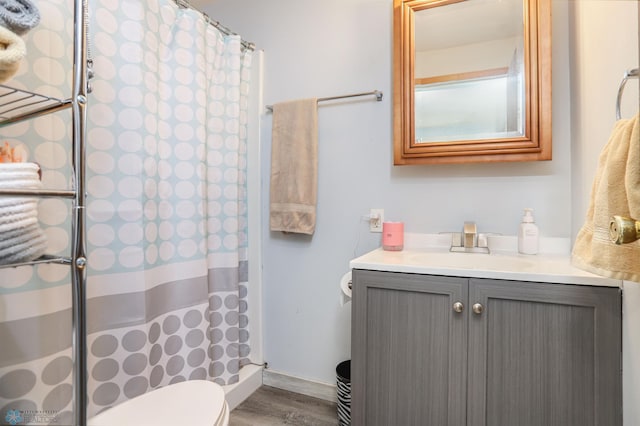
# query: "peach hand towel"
[615,191]
[294,167]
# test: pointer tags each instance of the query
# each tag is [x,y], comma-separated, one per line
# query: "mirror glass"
[469,71]
[471,81]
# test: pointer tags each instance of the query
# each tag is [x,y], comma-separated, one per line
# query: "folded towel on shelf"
[294,167]
[20,175]
[15,205]
[17,182]
[21,238]
[18,16]
[12,50]
[14,238]
[11,205]
[12,218]
[17,229]
[24,251]
[615,191]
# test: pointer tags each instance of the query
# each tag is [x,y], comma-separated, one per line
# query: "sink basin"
[472,261]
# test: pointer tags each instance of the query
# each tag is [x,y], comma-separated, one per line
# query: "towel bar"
[632,73]
[377,93]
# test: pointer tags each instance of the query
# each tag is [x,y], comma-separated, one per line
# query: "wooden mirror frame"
[534,145]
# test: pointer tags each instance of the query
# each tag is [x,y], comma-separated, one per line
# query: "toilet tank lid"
[194,403]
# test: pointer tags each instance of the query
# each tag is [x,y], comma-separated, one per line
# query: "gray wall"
[333,47]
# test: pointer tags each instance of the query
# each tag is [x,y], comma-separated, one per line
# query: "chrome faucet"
[470,235]
[469,240]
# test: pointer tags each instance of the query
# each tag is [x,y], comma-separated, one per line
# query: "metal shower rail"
[186,5]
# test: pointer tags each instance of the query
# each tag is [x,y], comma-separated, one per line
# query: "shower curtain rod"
[377,93]
[186,5]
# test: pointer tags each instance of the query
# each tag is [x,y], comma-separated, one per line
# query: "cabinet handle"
[458,307]
[477,308]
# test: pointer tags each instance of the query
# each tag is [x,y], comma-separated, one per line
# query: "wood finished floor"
[269,406]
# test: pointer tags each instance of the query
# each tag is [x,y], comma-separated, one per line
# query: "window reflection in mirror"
[475,105]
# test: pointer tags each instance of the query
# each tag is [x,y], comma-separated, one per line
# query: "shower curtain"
[166,213]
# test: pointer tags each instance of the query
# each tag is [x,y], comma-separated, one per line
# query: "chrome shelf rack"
[18,105]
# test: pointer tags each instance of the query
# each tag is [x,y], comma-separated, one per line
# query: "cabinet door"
[544,355]
[408,350]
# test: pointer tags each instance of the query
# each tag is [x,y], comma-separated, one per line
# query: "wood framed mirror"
[472,81]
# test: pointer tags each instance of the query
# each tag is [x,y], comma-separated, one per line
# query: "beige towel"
[294,167]
[12,50]
[615,191]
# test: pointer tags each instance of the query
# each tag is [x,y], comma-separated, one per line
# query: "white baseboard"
[295,384]
[250,381]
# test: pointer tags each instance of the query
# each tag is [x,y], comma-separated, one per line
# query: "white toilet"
[193,403]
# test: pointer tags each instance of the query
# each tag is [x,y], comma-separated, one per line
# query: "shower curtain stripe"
[166,218]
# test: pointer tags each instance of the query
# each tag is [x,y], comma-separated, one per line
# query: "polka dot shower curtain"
[166,215]
[167,211]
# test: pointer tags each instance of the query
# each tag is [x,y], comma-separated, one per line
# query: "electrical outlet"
[376,217]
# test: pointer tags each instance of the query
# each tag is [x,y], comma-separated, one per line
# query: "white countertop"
[427,255]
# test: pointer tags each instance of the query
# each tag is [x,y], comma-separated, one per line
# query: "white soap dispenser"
[528,234]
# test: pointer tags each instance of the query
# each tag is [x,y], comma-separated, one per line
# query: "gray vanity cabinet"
[449,351]
[409,350]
